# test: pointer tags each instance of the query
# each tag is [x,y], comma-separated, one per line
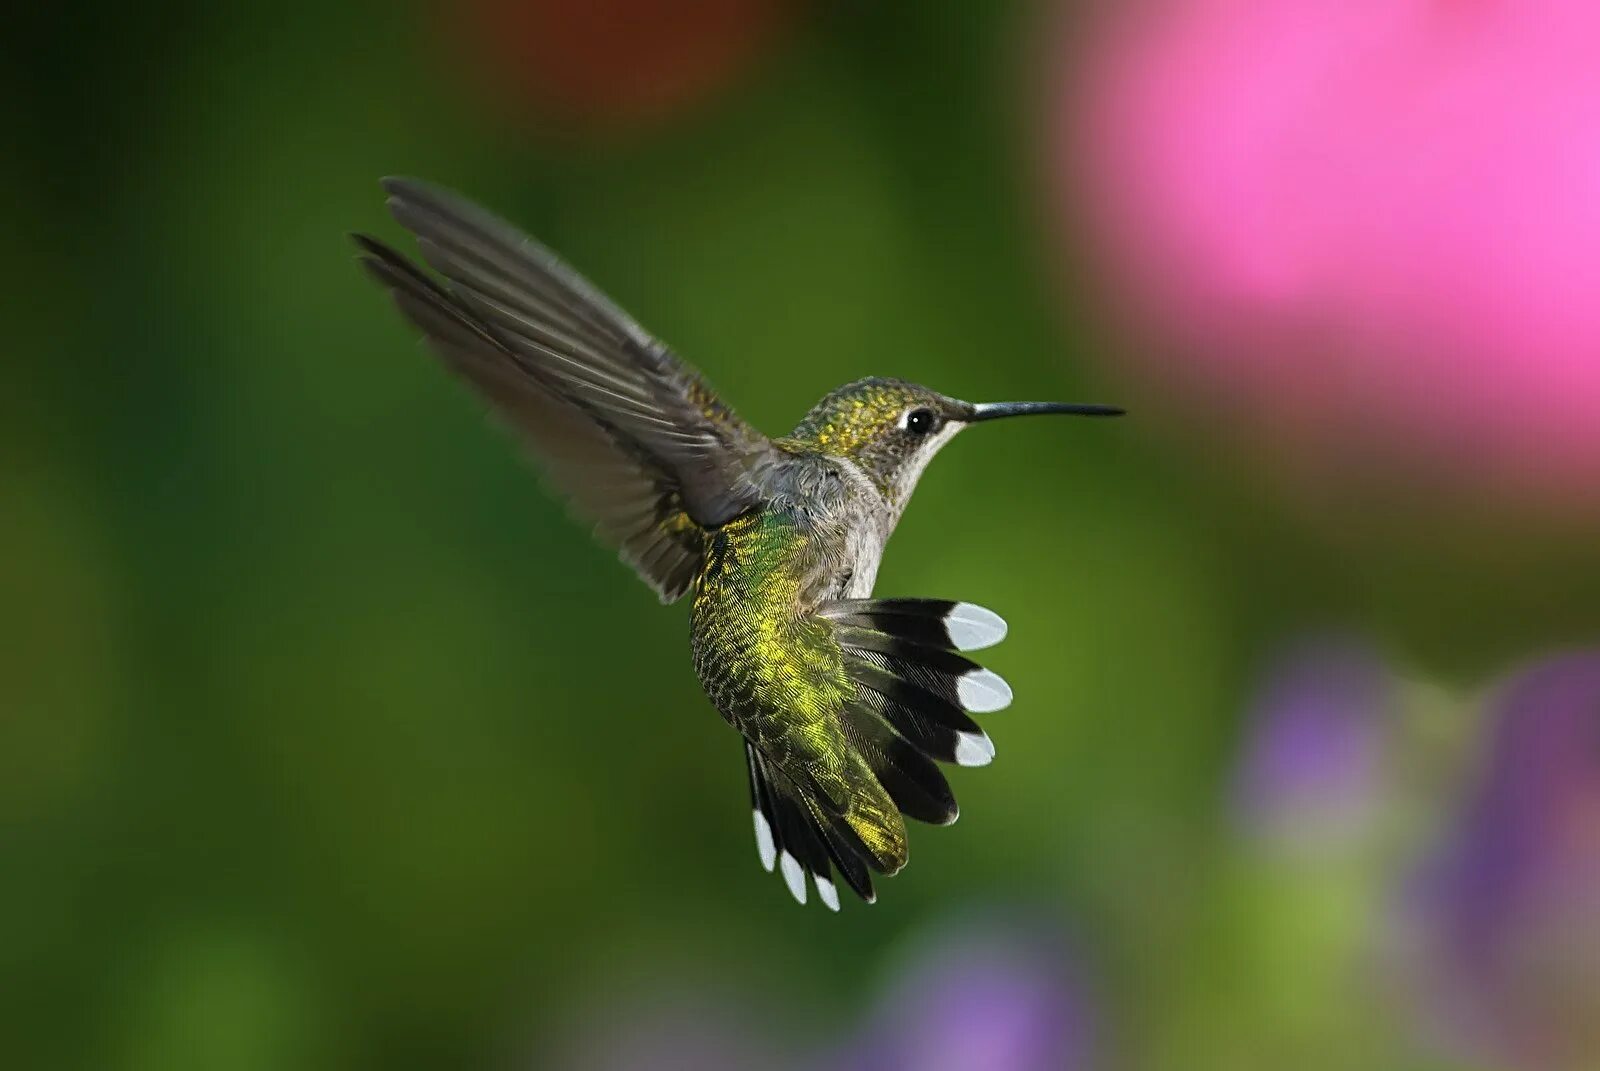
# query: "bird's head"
[891,428]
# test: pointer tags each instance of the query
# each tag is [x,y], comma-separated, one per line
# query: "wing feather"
[633,437]
[586,349]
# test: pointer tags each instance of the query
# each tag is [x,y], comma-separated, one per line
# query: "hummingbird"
[847,704]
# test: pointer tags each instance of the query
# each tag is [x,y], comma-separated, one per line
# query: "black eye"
[921,421]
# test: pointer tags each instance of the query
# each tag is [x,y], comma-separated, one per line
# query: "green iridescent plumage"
[776,671]
[845,702]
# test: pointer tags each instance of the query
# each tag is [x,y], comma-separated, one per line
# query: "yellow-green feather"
[855,416]
[776,672]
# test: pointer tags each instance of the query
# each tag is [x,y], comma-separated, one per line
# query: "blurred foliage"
[329,741]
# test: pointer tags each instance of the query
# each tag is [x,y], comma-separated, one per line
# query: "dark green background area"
[330,741]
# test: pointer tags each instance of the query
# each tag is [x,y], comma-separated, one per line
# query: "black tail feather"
[793,836]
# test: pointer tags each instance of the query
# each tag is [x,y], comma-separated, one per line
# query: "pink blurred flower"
[1369,230]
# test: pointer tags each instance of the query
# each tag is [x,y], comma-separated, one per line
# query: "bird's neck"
[857,467]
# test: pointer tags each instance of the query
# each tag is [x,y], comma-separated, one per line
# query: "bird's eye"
[921,421]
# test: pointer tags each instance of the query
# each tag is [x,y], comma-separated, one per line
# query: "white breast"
[866,541]
[866,535]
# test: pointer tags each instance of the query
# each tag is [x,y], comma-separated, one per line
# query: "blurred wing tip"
[400,184]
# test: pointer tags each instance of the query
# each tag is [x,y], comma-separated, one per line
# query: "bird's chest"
[856,551]
[848,530]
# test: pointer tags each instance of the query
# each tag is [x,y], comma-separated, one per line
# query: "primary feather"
[631,434]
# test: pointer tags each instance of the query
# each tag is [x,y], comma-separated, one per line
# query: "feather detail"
[955,626]
[794,832]
[631,435]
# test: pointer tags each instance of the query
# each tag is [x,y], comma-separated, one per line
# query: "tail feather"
[915,695]
[903,655]
[911,778]
[955,626]
[939,729]
[765,810]
[954,678]
[849,857]
[792,833]
[802,853]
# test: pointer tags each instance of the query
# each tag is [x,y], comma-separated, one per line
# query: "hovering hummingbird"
[846,702]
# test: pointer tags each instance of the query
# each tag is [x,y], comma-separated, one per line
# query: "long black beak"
[996,410]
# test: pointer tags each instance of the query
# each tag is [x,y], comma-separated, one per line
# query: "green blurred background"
[330,741]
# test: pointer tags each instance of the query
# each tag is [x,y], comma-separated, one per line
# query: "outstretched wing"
[633,436]
[910,709]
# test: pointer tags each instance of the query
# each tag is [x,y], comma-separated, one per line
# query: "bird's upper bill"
[996,410]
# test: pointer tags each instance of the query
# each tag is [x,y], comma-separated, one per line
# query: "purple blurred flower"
[1312,766]
[990,995]
[987,997]
[1506,921]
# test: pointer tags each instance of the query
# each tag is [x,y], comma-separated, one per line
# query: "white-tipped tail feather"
[974,749]
[972,628]
[827,892]
[915,694]
[983,692]
[764,843]
[794,876]
[794,836]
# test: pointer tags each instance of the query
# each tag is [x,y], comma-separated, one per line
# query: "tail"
[794,836]
[914,693]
